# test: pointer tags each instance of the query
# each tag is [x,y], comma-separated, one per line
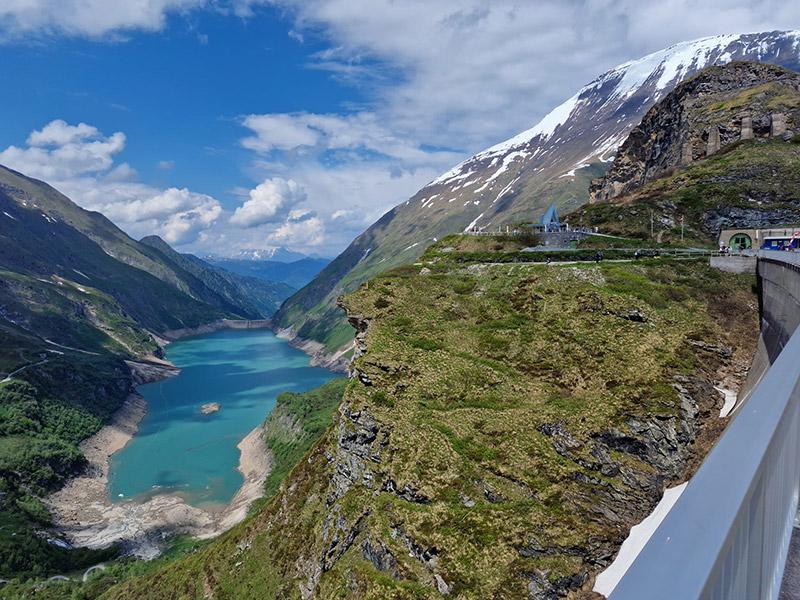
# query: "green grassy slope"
[399,238]
[39,197]
[296,423]
[496,435]
[34,245]
[51,214]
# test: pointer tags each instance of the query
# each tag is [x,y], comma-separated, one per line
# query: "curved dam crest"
[178,448]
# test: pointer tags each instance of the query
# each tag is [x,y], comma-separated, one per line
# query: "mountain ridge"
[516,180]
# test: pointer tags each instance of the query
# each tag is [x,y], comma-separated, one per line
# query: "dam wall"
[779,308]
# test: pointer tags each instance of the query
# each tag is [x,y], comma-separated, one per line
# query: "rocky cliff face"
[516,180]
[503,428]
[720,106]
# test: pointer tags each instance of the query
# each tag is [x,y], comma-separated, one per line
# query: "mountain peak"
[656,73]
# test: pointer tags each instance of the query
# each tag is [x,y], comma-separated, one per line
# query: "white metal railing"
[728,534]
[792,258]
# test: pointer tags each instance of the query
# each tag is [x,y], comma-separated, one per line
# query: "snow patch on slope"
[475,222]
[651,77]
[637,538]
[544,128]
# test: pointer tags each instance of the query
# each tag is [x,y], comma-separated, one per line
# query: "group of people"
[725,250]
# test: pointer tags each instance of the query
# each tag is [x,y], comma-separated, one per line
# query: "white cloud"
[78,160]
[357,131]
[268,202]
[303,234]
[91,18]
[59,151]
[102,18]
[467,73]
[196,213]
[60,133]
[278,131]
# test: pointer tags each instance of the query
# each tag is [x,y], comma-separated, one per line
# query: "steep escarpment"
[516,180]
[751,184]
[504,427]
[751,179]
[720,106]
[297,422]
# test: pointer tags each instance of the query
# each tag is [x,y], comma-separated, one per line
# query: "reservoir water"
[179,449]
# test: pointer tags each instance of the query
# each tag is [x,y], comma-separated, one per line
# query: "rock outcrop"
[718,107]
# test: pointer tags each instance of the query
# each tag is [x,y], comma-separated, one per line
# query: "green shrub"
[426,344]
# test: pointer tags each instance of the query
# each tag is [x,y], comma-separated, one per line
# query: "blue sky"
[231,124]
[177,94]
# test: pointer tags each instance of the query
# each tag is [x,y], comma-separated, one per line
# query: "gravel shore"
[83,512]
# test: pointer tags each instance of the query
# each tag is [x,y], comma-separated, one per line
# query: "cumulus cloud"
[306,232]
[88,17]
[79,161]
[60,133]
[268,202]
[59,151]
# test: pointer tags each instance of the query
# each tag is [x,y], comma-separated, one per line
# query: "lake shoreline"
[336,362]
[83,513]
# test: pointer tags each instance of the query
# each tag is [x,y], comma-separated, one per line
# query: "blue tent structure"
[549,220]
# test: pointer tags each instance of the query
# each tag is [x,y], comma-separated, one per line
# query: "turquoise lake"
[178,449]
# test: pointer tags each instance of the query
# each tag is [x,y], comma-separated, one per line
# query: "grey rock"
[380,556]
[441,585]
[673,130]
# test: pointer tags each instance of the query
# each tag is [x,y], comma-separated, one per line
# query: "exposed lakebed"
[178,448]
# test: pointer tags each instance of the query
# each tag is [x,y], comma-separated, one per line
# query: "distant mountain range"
[50,242]
[279,254]
[516,180]
[295,273]
[66,270]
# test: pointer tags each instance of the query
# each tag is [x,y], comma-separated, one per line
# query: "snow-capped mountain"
[278,254]
[516,180]
[586,130]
